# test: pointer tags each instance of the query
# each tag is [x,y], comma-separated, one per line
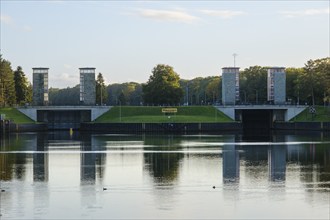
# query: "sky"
[125,40]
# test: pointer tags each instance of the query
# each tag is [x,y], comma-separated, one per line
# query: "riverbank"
[160,119]
[161,127]
[154,114]
[302,126]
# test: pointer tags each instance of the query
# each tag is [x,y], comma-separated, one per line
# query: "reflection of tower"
[87,86]
[276,85]
[277,162]
[40,159]
[230,85]
[40,86]
[230,163]
[87,160]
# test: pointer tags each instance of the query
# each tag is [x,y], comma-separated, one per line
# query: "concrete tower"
[40,86]
[230,85]
[276,85]
[87,86]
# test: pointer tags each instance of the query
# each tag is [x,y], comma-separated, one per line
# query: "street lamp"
[244,96]
[256,96]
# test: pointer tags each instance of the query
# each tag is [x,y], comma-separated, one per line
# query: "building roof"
[87,68]
[230,68]
[40,68]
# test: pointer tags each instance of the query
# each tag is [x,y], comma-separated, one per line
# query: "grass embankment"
[139,114]
[15,116]
[322,115]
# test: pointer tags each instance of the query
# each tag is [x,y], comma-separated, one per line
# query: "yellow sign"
[169,110]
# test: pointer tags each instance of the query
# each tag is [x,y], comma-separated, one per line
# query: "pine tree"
[21,86]
[101,92]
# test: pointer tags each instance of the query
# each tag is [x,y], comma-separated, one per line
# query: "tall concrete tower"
[40,86]
[230,85]
[87,86]
[276,85]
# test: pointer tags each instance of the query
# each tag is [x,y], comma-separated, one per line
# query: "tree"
[316,80]
[163,87]
[21,86]
[253,84]
[101,92]
[66,96]
[213,90]
[7,84]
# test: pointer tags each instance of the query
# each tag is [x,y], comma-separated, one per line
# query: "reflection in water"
[277,159]
[163,166]
[277,162]
[161,175]
[87,160]
[40,158]
[230,163]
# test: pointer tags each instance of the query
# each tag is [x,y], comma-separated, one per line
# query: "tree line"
[304,85]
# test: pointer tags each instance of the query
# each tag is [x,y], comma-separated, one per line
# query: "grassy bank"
[137,114]
[322,115]
[16,116]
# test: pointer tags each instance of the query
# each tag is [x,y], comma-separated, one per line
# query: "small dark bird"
[213,187]
[2,190]
[104,188]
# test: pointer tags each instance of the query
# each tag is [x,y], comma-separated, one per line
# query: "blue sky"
[124,40]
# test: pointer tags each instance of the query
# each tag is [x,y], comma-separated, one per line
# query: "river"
[63,175]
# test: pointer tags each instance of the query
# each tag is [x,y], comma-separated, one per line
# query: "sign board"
[312,110]
[169,110]
[3,117]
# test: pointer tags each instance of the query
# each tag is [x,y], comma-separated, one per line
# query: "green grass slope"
[15,116]
[322,115]
[139,114]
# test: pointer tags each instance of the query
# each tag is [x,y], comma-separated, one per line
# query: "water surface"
[110,176]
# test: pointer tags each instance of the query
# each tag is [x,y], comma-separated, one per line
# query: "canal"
[63,175]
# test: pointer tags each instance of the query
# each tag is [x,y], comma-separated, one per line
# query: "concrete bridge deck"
[95,111]
[287,111]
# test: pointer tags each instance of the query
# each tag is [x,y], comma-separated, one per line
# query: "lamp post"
[256,96]
[2,92]
[101,94]
[244,96]
[119,110]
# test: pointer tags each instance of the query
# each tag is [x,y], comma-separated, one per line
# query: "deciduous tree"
[7,84]
[163,87]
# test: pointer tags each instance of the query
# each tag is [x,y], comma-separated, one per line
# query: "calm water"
[84,176]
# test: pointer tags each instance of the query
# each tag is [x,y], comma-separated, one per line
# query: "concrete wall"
[306,126]
[228,88]
[279,88]
[30,112]
[161,127]
[89,89]
[98,111]
[289,111]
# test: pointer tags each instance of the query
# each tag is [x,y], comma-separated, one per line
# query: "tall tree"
[66,96]
[101,92]
[21,86]
[163,87]
[316,80]
[253,84]
[7,84]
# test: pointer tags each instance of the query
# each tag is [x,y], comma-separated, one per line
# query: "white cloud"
[225,14]
[64,80]
[167,15]
[67,66]
[307,12]
[27,28]
[6,19]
